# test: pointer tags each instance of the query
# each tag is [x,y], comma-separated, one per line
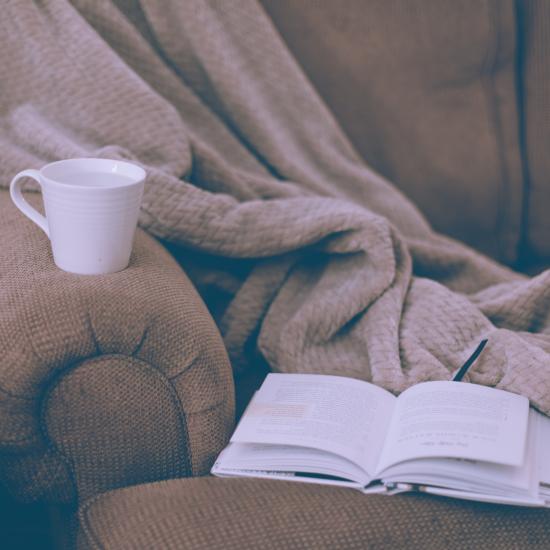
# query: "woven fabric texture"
[324,266]
[209,514]
[108,380]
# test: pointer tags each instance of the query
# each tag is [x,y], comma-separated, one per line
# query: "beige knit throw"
[306,256]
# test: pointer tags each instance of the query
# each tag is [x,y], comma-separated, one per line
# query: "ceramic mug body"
[92,207]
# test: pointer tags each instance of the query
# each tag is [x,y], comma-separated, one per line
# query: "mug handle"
[22,204]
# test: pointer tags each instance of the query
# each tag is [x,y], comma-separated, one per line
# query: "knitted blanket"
[307,258]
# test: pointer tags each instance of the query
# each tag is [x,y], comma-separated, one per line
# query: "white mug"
[92,207]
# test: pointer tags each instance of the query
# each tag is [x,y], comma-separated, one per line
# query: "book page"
[474,475]
[300,461]
[339,415]
[543,453]
[457,420]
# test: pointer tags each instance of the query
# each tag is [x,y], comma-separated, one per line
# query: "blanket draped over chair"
[305,255]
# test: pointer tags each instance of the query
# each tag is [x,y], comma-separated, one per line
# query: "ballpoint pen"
[459,374]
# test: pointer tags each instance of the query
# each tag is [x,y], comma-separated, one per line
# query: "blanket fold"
[314,260]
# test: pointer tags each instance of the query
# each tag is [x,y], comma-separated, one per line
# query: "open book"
[447,438]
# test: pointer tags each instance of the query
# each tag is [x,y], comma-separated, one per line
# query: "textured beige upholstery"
[449,100]
[230,514]
[105,381]
[534,79]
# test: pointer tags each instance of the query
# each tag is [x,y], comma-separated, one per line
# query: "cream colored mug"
[92,207]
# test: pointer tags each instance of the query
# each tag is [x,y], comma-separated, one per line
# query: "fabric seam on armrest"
[58,375]
[83,517]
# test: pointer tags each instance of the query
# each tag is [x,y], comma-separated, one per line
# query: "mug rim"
[135,173]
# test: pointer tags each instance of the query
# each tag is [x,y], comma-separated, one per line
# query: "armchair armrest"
[105,381]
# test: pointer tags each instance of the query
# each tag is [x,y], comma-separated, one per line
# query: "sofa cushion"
[534,18]
[426,90]
[210,513]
